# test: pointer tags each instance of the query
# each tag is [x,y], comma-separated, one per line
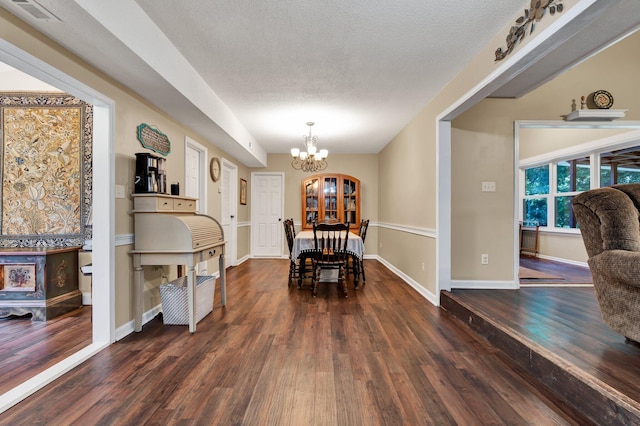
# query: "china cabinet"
[330,198]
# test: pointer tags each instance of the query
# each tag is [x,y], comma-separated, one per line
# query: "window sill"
[560,231]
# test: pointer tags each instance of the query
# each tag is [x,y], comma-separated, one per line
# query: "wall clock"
[214,169]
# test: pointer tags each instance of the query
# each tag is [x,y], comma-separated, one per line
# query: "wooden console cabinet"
[42,282]
[330,198]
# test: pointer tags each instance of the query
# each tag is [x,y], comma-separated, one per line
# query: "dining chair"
[330,244]
[289,232]
[300,268]
[356,265]
[364,225]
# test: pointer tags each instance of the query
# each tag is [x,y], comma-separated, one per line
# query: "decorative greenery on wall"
[527,22]
[46,170]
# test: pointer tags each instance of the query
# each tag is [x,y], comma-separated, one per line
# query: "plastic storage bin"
[173,295]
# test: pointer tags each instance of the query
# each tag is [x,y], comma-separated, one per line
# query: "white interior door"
[195,173]
[229,209]
[195,160]
[267,207]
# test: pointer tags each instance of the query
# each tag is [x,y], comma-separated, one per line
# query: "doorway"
[103,308]
[229,210]
[195,165]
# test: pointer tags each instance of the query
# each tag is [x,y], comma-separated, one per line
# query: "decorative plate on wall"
[602,99]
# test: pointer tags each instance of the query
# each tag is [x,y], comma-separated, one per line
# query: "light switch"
[488,187]
[119,191]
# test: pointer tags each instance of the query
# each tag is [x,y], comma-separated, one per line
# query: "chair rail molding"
[425,232]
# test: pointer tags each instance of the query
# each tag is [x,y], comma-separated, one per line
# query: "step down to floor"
[581,391]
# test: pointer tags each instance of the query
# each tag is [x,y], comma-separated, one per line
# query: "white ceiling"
[248,74]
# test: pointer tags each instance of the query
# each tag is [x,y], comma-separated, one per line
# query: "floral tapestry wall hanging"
[46,170]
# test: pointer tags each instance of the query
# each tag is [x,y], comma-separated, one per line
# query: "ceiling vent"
[35,10]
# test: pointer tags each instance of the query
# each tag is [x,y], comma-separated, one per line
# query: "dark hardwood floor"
[276,355]
[558,335]
[28,348]
[566,273]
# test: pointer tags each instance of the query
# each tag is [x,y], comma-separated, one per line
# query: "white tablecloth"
[304,241]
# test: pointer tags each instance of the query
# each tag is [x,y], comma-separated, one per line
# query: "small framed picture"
[19,277]
[243,192]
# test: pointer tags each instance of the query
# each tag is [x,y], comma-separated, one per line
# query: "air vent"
[35,10]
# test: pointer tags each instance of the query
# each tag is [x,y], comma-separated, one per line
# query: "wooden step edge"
[583,392]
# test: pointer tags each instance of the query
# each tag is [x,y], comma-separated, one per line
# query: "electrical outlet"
[422,266]
[484,259]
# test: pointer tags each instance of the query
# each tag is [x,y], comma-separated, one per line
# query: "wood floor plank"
[277,355]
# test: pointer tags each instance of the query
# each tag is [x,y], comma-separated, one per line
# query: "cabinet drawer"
[152,203]
[164,204]
[211,253]
[183,205]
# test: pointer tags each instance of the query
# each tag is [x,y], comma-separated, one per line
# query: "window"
[536,189]
[549,188]
[572,177]
[620,166]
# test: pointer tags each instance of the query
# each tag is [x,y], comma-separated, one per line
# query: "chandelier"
[311,160]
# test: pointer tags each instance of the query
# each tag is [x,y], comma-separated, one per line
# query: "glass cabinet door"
[350,201]
[331,198]
[311,202]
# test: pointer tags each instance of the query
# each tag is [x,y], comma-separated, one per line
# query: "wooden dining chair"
[299,268]
[356,264]
[289,232]
[364,225]
[330,244]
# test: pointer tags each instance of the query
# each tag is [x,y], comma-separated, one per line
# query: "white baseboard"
[25,389]
[129,327]
[414,284]
[484,285]
[568,261]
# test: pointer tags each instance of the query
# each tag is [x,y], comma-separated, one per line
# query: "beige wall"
[408,170]
[539,141]
[484,139]
[362,167]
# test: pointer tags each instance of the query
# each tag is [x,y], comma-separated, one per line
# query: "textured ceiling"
[360,69]
[248,74]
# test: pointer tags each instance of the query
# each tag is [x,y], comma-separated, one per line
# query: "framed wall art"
[243,192]
[46,171]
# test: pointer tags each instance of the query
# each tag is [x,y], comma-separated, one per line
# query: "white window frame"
[591,149]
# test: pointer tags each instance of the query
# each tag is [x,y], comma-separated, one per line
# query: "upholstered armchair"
[610,226]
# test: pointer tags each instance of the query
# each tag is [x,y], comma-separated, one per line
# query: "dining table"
[304,243]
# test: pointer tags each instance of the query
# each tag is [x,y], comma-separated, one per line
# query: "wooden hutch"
[331,198]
